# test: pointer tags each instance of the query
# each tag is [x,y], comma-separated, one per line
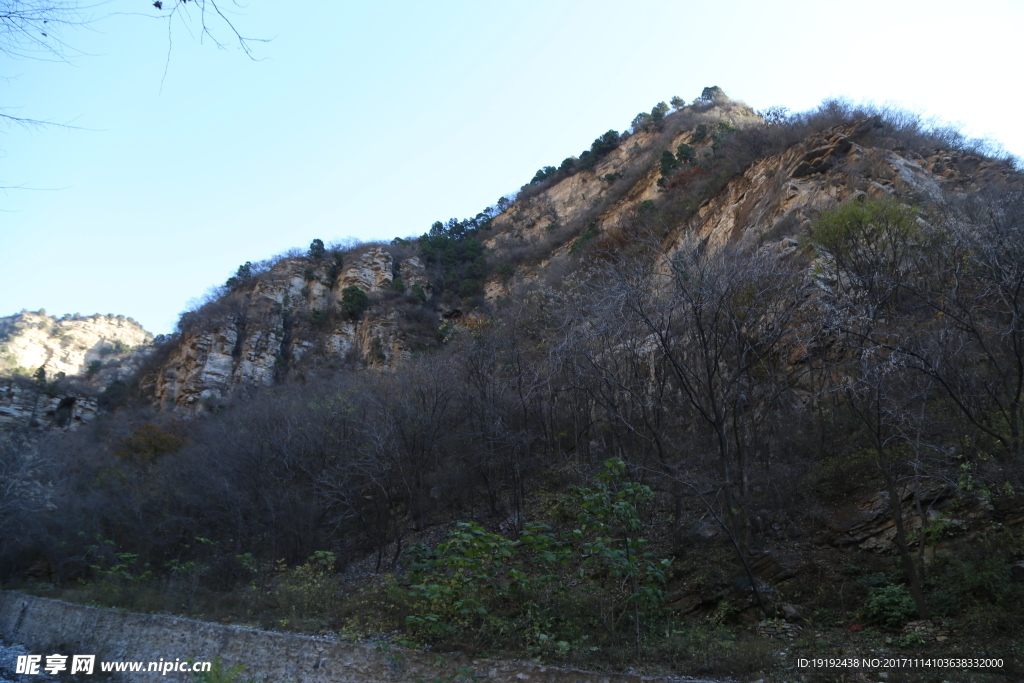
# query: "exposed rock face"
[286,320]
[372,271]
[95,351]
[69,344]
[767,206]
[27,406]
[869,523]
[633,165]
[289,318]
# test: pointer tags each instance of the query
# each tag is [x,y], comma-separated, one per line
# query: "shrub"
[338,261]
[377,351]
[354,301]
[398,285]
[114,396]
[243,275]
[658,114]
[543,174]
[685,154]
[487,586]
[586,238]
[669,163]
[977,581]
[468,288]
[317,249]
[320,317]
[889,606]
[94,367]
[148,443]
[711,94]
[417,294]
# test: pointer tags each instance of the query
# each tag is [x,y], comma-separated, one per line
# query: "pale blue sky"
[374,119]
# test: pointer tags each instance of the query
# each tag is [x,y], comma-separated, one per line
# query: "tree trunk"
[895,504]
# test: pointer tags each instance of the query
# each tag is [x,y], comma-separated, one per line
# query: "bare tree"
[694,349]
[971,342]
[24,486]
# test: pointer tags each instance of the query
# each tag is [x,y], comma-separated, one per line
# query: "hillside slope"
[53,369]
[749,183]
[719,392]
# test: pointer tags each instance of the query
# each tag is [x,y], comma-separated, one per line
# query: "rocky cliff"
[53,369]
[288,319]
[767,205]
[69,344]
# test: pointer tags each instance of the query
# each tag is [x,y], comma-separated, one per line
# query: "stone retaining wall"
[46,626]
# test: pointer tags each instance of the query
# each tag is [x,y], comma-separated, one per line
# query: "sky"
[370,120]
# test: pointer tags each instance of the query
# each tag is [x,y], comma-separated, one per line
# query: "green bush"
[889,606]
[488,587]
[975,581]
[417,294]
[320,317]
[377,351]
[398,285]
[114,396]
[317,249]
[354,301]
[219,673]
[586,238]
[543,174]
[468,288]
[242,275]
[685,154]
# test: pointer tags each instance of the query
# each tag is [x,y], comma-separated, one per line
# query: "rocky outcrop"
[370,272]
[869,524]
[79,357]
[69,344]
[766,206]
[290,318]
[776,198]
[627,175]
[26,405]
[285,320]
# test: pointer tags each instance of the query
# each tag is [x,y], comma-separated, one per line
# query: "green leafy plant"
[417,294]
[317,249]
[354,301]
[889,606]
[583,240]
[485,584]
[243,275]
[219,673]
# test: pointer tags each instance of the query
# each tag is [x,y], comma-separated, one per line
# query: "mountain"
[714,169]
[724,390]
[94,351]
